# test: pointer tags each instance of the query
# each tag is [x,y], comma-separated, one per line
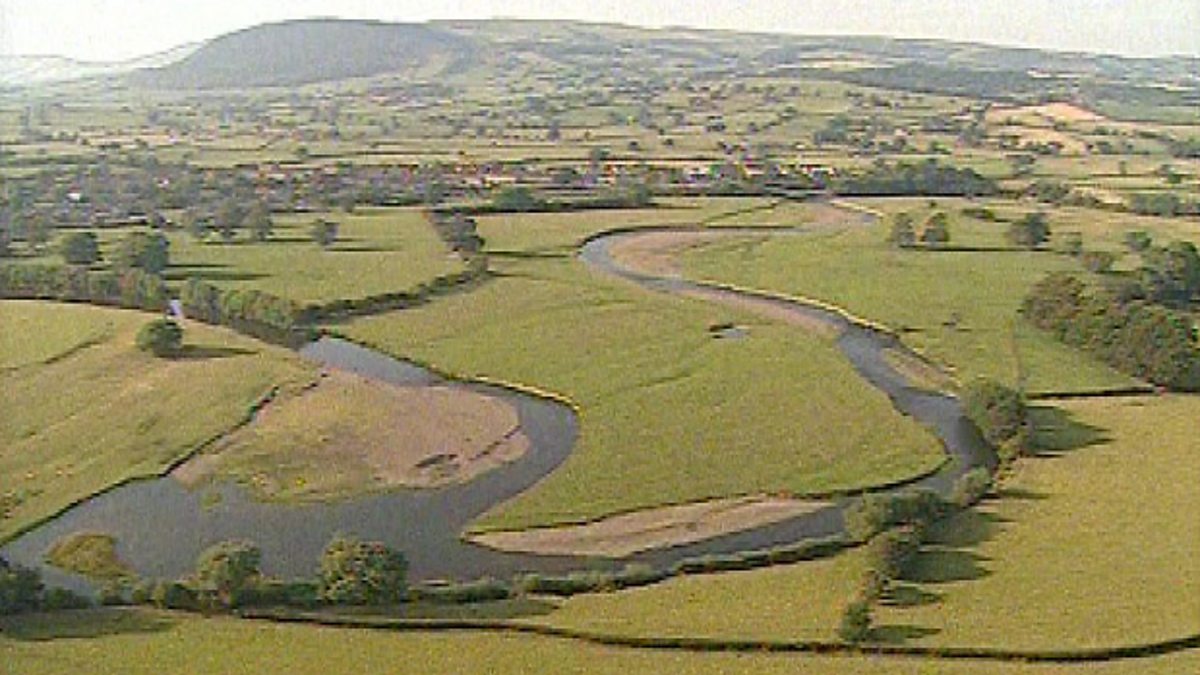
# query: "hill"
[312,50]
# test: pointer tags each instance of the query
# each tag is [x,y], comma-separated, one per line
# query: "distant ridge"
[26,70]
[306,51]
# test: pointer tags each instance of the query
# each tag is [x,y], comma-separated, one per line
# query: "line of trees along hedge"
[520,199]
[1124,330]
[265,316]
[923,178]
[999,412]
[131,288]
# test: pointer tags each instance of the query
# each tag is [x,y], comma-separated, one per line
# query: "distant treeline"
[923,178]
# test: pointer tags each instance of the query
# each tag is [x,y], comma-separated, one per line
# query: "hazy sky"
[119,29]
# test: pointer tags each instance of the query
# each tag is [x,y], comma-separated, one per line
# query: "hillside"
[302,52]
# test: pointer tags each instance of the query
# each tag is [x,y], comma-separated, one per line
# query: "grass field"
[109,412]
[790,602]
[151,643]
[1095,543]
[669,414]
[958,307]
[377,251]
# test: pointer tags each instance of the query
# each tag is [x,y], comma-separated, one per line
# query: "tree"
[355,572]
[937,230]
[80,248]
[148,252]
[1138,241]
[1171,274]
[1030,232]
[324,232]
[517,199]
[998,411]
[902,234]
[258,221]
[228,218]
[161,337]
[20,589]
[227,569]
[856,622]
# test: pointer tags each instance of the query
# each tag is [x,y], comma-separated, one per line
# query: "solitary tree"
[902,234]
[1030,232]
[324,232]
[937,231]
[1138,241]
[362,573]
[148,252]
[161,337]
[258,221]
[227,569]
[228,219]
[80,248]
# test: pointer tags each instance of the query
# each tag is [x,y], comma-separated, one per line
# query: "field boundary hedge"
[702,644]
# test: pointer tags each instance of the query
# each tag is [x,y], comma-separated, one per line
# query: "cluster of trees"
[230,217]
[934,234]
[458,231]
[520,199]
[923,178]
[132,288]
[1163,204]
[260,314]
[1169,275]
[1001,415]
[1121,327]
[22,590]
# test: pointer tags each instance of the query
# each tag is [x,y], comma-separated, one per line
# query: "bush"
[142,593]
[874,513]
[1097,262]
[302,594]
[362,573]
[856,622]
[227,570]
[891,553]
[20,588]
[80,248]
[998,411]
[61,598]
[174,595]
[161,337]
[112,594]
[481,590]
[971,487]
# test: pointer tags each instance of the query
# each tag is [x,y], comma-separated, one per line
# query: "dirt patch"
[629,533]
[658,253]
[348,434]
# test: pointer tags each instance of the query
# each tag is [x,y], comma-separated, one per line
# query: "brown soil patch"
[348,434]
[625,534]
[658,252]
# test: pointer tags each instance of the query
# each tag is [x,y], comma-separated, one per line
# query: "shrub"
[273,593]
[161,337]
[20,588]
[227,570]
[61,598]
[1097,262]
[112,594]
[174,595]
[362,573]
[142,593]
[856,622]
[971,487]
[998,411]
[874,513]
[481,590]
[80,248]
[891,553]
[1029,232]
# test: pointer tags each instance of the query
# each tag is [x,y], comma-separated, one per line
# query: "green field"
[108,412]
[1094,543]
[666,408]
[377,251]
[152,643]
[959,307]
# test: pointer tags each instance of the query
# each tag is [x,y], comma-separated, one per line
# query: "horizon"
[1113,28]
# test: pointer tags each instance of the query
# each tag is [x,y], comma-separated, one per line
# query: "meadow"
[932,298]
[664,406]
[85,409]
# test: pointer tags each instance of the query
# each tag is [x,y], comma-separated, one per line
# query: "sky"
[105,30]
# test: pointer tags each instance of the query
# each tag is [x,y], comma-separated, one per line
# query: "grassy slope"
[918,291]
[669,414]
[110,412]
[50,332]
[151,643]
[378,250]
[791,602]
[1096,545]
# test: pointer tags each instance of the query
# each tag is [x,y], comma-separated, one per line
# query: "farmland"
[622,350]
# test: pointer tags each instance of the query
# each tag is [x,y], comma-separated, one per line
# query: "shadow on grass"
[1057,432]
[212,274]
[205,353]
[964,529]
[1021,494]
[900,633]
[514,608]
[908,595]
[943,565]
[88,623]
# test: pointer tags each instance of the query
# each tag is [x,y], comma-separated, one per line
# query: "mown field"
[133,643]
[1095,542]
[957,306]
[669,414]
[84,409]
